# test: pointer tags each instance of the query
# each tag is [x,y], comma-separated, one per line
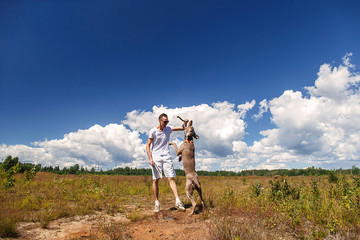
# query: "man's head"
[163,119]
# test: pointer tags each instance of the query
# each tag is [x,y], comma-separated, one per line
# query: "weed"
[333,178]
[8,227]
[315,189]
[356,181]
[9,182]
[228,199]
[281,209]
[114,231]
[256,189]
[244,180]
[29,175]
[135,215]
[280,189]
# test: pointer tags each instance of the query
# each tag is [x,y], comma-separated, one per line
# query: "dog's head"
[190,132]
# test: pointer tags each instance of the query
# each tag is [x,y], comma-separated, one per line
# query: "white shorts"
[163,163]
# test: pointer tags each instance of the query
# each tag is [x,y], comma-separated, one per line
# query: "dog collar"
[187,141]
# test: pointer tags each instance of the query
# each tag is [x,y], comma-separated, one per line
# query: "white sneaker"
[157,208]
[180,206]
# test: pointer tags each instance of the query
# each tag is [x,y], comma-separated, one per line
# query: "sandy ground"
[168,224]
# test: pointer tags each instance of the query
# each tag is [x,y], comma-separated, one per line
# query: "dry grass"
[237,207]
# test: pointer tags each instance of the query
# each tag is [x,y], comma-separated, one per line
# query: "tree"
[74,169]
[10,162]
[355,170]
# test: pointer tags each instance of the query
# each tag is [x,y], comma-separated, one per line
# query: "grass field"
[325,207]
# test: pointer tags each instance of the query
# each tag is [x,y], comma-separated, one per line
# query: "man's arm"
[178,129]
[182,128]
[151,161]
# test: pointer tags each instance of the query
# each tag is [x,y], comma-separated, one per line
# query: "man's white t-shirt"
[160,141]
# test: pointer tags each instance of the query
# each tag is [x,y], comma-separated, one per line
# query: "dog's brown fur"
[186,152]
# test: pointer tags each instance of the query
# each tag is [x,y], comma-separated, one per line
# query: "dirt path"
[168,224]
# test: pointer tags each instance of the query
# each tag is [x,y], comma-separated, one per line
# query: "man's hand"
[151,162]
[185,123]
[183,126]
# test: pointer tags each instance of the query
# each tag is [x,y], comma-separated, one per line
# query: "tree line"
[11,162]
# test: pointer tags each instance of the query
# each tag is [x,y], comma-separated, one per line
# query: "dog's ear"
[196,136]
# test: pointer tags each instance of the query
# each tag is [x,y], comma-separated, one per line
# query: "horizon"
[97,169]
[268,85]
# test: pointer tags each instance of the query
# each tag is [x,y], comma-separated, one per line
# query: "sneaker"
[180,206]
[157,208]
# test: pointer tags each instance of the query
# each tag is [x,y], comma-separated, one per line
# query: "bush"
[10,162]
[356,181]
[256,189]
[29,175]
[333,178]
[282,189]
[7,227]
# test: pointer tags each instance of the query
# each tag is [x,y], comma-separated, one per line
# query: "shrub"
[9,182]
[356,181]
[29,175]
[256,189]
[10,162]
[315,189]
[8,227]
[282,189]
[333,178]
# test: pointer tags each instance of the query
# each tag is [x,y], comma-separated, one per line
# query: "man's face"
[164,121]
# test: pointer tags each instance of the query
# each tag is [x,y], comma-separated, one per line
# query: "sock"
[157,203]
[177,200]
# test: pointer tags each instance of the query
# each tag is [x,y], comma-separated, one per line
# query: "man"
[160,158]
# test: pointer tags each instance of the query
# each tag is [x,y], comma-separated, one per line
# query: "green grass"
[237,207]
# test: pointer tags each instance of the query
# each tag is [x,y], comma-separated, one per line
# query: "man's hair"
[162,115]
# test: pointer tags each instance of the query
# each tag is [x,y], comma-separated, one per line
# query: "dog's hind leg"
[198,189]
[189,193]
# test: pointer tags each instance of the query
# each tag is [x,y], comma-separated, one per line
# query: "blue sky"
[74,64]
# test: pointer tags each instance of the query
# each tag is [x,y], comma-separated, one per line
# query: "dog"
[186,153]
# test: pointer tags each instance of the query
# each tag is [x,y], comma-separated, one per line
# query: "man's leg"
[173,186]
[156,195]
[178,204]
[156,172]
[170,174]
[155,188]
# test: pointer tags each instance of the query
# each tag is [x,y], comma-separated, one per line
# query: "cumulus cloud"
[244,108]
[346,60]
[318,128]
[217,125]
[263,108]
[111,145]
[336,83]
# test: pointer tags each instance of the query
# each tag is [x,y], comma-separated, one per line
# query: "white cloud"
[107,146]
[346,60]
[319,128]
[217,125]
[336,83]
[263,108]
[244,108]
